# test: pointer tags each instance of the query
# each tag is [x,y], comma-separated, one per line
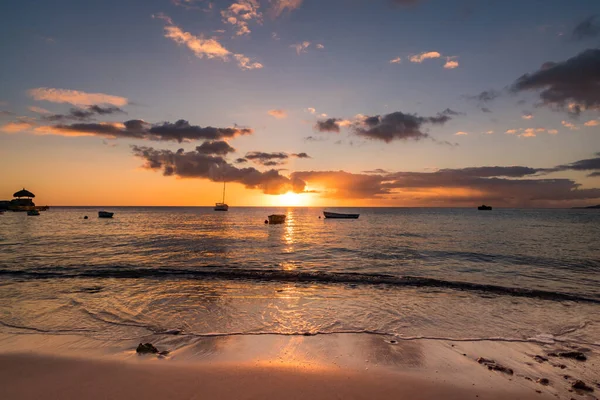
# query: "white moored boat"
[328,214]
[222,206]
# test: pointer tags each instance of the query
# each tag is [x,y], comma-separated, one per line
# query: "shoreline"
[273,366]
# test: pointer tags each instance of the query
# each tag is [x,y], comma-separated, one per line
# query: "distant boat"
[222,206]
[276,218]
[105,214]
[328,214]
[483,207]
[33,213]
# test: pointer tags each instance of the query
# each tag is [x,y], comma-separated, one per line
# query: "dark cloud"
[328,125]
[241,161]
[217,147]
[397,126]
[193,164]
[590,164]
[574,83]
[80,114]
[267,159]
[506,186]
[484,97]
[486,110]
[314,139]
[180,131]
[448,111]
[406,2]
[301,155]
[516,186]
[376,171]
[588,28]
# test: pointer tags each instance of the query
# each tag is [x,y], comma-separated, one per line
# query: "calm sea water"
[452,273]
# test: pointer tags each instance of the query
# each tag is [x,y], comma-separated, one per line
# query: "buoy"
[266,221]
[85,217]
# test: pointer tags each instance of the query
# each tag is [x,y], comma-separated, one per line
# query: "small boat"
[328,214]
[222,206]
[276,218]
[33,213]
[105,214]
[483,207]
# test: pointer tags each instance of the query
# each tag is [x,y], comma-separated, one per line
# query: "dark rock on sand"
[494,366]
[577,355]
[543,381]
[539,358]
[580,385]
[146,348]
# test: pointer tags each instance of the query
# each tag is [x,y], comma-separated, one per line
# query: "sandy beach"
[344,366]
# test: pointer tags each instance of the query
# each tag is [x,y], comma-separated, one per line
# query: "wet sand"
[345,366]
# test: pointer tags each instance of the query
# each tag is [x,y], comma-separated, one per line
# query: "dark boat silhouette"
[483,207]
[328,214]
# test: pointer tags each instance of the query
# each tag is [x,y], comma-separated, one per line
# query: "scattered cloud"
[451,63]
[39,110]
[527,115]
[240,13]
[192,4]
[511,131]
[419,58]
[328,125]
[376,171]
[80,114]
[179,131]
[202,47]
[279,6]
[311,110]
[272,159]
[588,28]
[14,127]
[461,133]
[319,46]
[489,132]
[217,147]
[274,36]
[396,60]
[574,83]
[300,155]
[301,47]
[552,131]
[484,97]
[387,128]
[279,114]
[593,122]
[396,126]
[569,125]
[486,110]
[6,113]
[193,164]
[75,97]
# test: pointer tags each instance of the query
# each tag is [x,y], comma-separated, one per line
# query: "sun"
[291,199]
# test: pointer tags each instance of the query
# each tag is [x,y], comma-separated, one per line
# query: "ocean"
[461,274]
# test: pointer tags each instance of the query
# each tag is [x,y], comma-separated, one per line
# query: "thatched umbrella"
[24,193]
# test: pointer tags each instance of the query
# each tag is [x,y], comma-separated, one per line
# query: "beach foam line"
[216,272]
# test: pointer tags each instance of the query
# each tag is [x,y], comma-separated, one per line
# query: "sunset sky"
[301,102]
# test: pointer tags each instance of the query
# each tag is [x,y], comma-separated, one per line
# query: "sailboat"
[222,206]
